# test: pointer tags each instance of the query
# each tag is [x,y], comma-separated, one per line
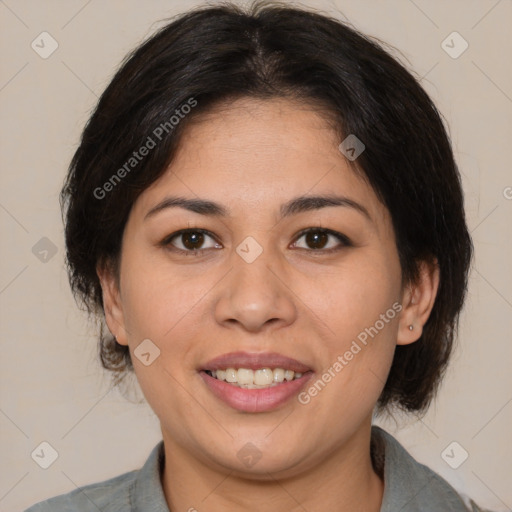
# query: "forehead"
[256,154]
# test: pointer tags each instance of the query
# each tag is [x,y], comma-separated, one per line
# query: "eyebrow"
[294,206]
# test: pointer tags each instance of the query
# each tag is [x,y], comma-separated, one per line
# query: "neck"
[343,481]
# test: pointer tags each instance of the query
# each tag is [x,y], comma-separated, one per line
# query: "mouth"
[255,382]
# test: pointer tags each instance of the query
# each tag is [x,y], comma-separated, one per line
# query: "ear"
[417,302]
[112,303]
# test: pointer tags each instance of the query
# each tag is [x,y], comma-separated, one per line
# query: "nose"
[256,296]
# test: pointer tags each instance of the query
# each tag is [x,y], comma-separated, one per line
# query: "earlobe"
[112,304]
[418,300]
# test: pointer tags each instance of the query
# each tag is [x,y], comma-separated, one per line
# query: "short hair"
[215,54]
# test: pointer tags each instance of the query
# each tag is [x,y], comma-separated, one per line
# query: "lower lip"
[255,400]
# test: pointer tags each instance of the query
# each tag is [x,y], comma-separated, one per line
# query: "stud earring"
[411,327]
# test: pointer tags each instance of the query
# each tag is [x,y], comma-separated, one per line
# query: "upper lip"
[255,361]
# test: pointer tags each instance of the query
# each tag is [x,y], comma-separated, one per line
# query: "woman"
[266,209]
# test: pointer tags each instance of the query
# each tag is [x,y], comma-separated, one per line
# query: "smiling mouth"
[254,379]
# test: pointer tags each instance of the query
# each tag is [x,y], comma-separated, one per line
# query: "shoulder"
[413,487]
[139,490]
[111,495]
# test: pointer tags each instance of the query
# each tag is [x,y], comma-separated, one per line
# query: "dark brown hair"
[213,54]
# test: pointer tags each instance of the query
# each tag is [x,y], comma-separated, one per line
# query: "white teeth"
[245,376]
[231,375]
[278,375]
[263,377]
[288,375]
[255,379]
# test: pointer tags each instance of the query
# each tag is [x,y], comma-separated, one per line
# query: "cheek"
[163,307]
[359,303]
[156,301]
[352,297]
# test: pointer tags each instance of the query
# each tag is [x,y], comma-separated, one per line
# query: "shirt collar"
[409,485]
[147,492]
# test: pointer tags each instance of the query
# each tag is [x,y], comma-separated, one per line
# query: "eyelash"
[167,241]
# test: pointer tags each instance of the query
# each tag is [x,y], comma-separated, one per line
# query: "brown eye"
[190,240]
[318,239]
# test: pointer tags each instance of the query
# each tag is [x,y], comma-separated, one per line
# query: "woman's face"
[260,289]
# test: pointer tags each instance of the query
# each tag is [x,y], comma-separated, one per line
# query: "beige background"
[52,388]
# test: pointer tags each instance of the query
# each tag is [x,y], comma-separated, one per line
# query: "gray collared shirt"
[408,487]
